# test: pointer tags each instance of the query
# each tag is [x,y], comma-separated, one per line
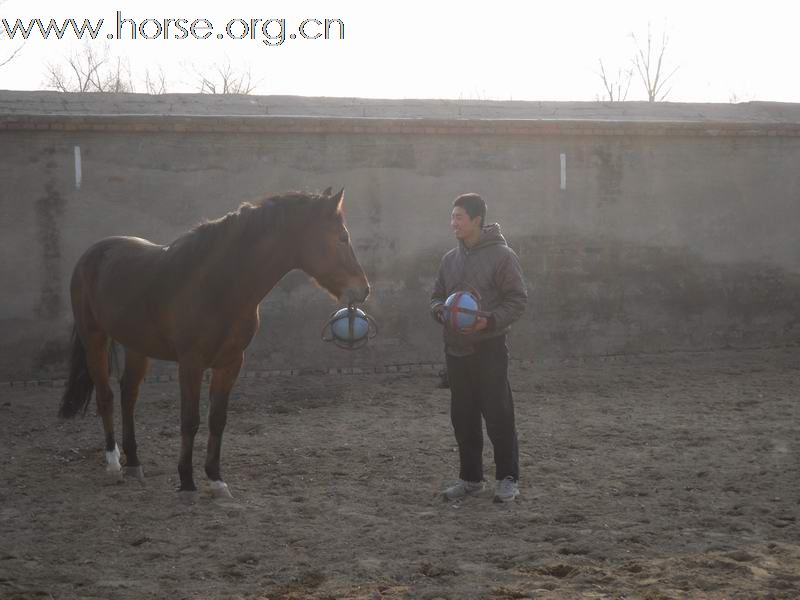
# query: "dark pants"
[479,387]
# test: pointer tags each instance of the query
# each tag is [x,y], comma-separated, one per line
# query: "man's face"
[463,226]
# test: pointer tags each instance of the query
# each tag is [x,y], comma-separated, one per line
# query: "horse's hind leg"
[135,369]
[191,380]
[222,381]
[96,343]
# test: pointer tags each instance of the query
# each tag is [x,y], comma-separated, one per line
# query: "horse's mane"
[245,224]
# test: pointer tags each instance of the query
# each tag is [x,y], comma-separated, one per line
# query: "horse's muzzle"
[354,295]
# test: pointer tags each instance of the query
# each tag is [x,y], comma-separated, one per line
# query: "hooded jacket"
[492,269]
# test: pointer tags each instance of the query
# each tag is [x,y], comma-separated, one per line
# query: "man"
[477,362]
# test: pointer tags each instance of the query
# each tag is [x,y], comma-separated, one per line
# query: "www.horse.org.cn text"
[271,32]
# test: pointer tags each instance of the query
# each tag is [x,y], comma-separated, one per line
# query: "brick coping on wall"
[388,126]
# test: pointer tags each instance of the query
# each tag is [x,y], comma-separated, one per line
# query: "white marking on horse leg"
[113,467]
[563,171]
[219,489]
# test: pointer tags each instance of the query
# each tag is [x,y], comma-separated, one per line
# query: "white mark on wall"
[78,167]
[563,171]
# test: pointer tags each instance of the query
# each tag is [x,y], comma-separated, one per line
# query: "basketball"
[462,311]
[341,325]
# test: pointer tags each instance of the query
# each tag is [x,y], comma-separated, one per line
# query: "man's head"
[469,211]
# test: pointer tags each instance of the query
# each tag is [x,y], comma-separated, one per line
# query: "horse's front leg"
[191,379]
[222,381]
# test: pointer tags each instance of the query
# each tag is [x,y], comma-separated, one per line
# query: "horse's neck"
[261,270]
[233,276]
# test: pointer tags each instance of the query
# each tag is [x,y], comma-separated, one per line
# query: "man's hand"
[438,314]
[481,323]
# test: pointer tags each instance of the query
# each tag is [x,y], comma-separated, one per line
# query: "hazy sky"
[443,49]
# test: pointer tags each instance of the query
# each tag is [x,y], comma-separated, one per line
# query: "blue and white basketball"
[341,328]
[461,310]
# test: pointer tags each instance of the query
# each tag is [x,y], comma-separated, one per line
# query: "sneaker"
[462,489]
[506,490]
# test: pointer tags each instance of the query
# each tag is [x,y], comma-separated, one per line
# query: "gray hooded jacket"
[492,269]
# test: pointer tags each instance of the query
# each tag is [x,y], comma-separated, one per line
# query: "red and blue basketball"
[462,310]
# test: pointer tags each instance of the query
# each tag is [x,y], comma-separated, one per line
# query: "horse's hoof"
[135,473]
[187,497]
[113,468]
[219,489]
[113,475]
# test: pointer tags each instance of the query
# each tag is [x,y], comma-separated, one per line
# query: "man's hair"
[473,204]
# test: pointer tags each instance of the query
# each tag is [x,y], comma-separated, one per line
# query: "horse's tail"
[79,385]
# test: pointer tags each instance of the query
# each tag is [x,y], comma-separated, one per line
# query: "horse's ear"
[327,191]
[336,202]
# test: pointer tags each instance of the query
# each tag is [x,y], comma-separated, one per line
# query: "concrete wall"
[668,236]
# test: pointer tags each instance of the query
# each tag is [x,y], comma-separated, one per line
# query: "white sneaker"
[506,490]
[462,489]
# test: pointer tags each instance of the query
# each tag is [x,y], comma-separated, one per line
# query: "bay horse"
[195,302]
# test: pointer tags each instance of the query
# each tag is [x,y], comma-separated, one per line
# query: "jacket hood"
[490,236]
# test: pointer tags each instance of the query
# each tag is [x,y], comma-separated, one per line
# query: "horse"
[196,302]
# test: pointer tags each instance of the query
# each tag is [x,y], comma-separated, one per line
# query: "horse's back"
[114,255]
[115,267]
[116,246]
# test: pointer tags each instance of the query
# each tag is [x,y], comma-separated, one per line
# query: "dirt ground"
[671,476]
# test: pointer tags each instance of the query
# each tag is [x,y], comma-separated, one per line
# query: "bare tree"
[226,80]
[738,97]
[616,90]
[117,79]
[155,84]
[14,53]
[12,56]
[649,62]
[91,71]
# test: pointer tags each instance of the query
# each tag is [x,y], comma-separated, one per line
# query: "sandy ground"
[657,477]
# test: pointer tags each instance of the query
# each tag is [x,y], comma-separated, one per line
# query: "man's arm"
[439,295]
[514,295]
